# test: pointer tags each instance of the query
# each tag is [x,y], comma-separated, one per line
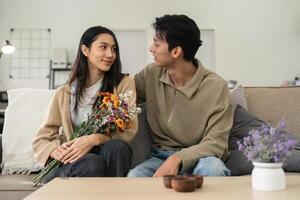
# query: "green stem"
[48,169]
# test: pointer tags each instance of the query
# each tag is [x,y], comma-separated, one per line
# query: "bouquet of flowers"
[110,113]
[268,144]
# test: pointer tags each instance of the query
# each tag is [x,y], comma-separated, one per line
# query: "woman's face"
[101,54]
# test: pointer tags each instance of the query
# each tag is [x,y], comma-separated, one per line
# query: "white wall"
[257,41]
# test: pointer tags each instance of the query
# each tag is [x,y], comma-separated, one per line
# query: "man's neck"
[181,72]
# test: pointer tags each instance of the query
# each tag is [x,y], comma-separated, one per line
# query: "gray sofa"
[268,103]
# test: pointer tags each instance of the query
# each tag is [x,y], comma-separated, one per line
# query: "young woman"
[97,68]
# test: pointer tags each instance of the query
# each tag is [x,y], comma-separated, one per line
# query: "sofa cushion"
[271,104]
[237,162]
[243,122]
[0,150]
[141,143]
[237,97]
[23,117]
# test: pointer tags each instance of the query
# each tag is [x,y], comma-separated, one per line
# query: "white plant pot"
[268,177]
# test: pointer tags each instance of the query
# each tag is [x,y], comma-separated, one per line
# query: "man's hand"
[169,167]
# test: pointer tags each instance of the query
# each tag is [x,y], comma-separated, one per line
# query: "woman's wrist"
[98,139]
[95,139]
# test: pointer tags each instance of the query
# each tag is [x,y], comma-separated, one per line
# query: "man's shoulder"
[211,77]
[153,68]
[152,71]
[208,76]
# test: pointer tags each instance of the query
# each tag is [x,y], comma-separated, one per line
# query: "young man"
[187,105]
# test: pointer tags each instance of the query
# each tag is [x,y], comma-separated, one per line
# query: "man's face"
[160,52]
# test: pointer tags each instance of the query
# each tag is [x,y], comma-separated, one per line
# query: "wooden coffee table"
[214,188]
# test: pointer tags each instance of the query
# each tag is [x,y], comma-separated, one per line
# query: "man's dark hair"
[179,30]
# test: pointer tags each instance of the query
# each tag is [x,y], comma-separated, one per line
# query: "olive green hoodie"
[195,120]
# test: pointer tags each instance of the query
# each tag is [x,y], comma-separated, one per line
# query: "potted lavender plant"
[267,148]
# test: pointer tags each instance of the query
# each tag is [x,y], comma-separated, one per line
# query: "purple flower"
[267,144]
[281,124]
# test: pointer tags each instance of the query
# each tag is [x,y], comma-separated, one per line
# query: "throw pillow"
[0,150]
[141,143]
[237,162]
[23,116]
[243,122]
[237,97]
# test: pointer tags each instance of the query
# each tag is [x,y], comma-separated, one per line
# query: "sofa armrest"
[0,150]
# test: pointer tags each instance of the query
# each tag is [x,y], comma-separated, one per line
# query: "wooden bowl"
[199,180]
[184,184]
[168,180]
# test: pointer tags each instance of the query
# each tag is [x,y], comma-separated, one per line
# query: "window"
[32,56]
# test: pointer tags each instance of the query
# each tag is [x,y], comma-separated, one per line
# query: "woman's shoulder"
[62,90]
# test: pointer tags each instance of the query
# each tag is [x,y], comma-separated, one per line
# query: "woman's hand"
[77,148]
[57,153]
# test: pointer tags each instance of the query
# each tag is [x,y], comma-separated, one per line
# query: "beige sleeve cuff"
[43,155]
[186,163]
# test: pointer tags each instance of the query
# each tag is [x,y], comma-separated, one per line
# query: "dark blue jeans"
[112,159]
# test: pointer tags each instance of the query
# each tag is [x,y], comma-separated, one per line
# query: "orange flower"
[106,100]
[103,106]
[114,97]
[120,123]
[116,104]
[105,94]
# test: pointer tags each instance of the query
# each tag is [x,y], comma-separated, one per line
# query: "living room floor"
[12,189]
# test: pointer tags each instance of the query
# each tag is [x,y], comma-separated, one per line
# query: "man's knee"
[146,168]
[141,171]
[211,166]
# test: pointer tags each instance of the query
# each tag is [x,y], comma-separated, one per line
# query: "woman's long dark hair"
[80,68]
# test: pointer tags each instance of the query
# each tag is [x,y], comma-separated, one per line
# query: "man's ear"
[85,50]
[176,52]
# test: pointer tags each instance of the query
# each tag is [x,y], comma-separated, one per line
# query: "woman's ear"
[85,50]
[176,52]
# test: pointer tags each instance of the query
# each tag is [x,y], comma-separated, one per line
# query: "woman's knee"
[90,165]
[211,166]
[117,147]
